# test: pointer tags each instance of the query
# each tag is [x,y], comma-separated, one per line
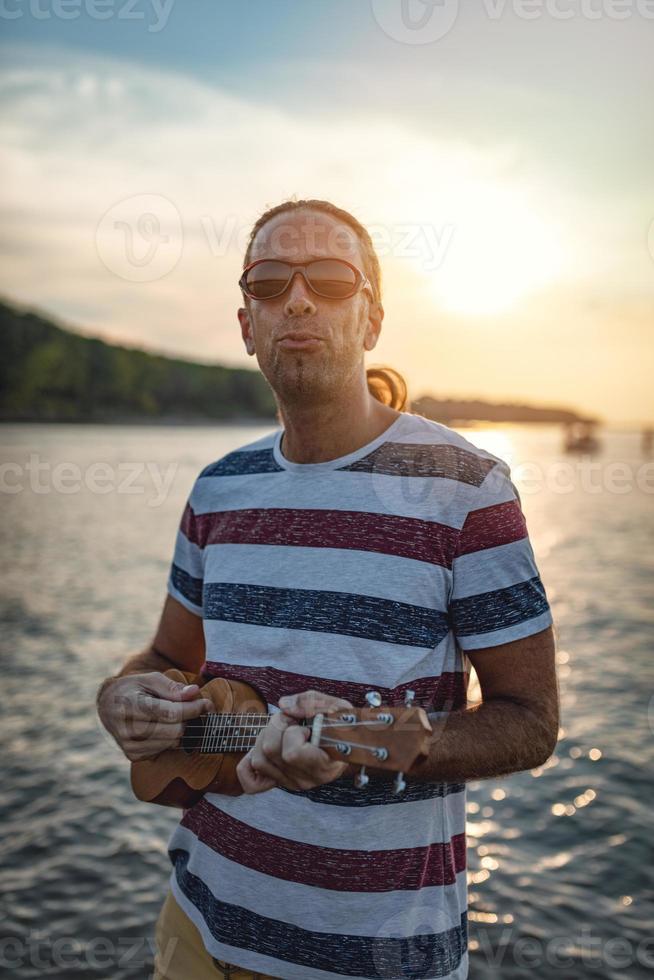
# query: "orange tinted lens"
[268,279]
[331,278]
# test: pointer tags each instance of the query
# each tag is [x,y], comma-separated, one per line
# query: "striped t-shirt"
[374,571]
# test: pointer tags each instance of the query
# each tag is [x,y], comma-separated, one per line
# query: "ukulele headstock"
[378,736]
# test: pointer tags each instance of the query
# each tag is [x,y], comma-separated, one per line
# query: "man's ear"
[246,330]
[374,325]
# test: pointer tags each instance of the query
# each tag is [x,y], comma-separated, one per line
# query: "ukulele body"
[179,778]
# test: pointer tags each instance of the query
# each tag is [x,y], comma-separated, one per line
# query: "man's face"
[345,329]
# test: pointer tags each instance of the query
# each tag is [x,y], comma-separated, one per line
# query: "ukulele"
[212,745]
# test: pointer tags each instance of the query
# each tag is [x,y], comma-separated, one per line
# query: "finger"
[168,689]
[302,766]
[250,780]
[266,767]
[142,728]
[309,703]
[306,761]
[152,730]
[270,738]
[269,763]
[173,712]
[267,752]
[298,757]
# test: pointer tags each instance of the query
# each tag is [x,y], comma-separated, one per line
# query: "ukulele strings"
[235,721]
[352,745]
[231,733]
[238,732]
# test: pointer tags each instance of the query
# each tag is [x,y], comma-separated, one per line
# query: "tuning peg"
[399,785]
[361,779]
[409,697]
[373,699]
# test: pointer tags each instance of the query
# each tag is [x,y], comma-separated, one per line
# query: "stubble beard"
[305,378]
[296,382]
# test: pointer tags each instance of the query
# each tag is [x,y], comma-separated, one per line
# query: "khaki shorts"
[181,954]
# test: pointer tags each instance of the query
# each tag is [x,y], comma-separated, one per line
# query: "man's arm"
[516,725]
[178,642]
[142,709]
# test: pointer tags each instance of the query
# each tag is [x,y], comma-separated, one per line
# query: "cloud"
[91,144]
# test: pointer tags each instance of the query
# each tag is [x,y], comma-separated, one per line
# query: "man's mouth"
[299,340]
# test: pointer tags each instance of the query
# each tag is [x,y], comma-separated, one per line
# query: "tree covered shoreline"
[51,374]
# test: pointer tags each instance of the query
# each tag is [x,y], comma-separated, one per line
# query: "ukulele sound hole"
[193,733]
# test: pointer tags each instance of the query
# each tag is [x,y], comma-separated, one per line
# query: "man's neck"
[318,433]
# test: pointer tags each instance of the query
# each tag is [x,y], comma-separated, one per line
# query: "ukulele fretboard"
[218,733]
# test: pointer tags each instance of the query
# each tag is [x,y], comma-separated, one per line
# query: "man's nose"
[298,298]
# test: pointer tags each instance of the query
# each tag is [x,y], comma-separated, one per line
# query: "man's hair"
[385,384]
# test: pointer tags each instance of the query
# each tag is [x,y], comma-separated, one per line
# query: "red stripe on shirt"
[443,692]
[490,527]
[407,868]
[405,537]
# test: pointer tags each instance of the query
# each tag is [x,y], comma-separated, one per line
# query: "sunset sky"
[504,167]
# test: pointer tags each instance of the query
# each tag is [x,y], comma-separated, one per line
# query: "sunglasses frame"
[361,280]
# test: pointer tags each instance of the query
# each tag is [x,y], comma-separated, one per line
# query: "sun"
[497,244]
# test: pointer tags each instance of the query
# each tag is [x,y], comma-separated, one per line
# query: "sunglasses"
[330,278]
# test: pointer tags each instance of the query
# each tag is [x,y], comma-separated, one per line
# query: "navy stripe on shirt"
[324,611]
[416,957]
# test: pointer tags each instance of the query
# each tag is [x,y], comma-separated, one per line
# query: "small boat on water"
[580,437]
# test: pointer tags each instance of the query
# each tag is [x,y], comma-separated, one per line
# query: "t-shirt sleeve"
[187,569]
[497,595]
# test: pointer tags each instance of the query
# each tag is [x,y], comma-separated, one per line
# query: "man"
[358,547]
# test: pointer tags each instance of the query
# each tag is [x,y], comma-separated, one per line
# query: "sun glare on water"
[494,440]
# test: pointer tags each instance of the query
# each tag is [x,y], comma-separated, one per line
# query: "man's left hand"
[282,754]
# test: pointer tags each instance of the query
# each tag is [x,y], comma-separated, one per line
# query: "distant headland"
[49,373]
[452,412]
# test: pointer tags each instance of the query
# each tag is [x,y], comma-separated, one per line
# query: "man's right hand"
[146,713]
